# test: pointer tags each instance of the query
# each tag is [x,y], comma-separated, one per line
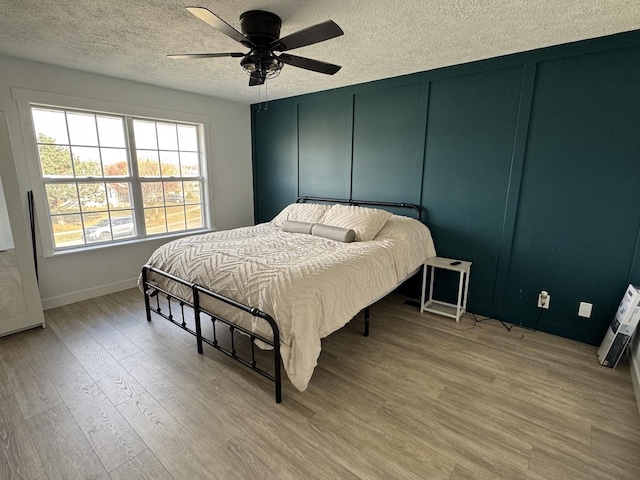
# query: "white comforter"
[310,285]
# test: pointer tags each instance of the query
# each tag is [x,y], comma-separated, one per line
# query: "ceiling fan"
[261,34]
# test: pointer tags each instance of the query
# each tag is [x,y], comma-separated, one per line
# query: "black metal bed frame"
[152,290]
[412,206]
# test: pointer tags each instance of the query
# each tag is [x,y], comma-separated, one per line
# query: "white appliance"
[621,329]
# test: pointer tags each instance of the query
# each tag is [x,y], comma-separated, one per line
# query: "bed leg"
[198,334]
[366,322]
[196,314]
[147,306]
[278,378]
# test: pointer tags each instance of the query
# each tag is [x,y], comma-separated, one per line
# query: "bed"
[282,289]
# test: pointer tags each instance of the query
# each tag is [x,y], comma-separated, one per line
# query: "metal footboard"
[152,290]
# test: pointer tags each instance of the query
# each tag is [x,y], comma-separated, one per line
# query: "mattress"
[310,285]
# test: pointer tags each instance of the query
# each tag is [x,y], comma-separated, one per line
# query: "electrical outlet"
[544,299]
[585,309]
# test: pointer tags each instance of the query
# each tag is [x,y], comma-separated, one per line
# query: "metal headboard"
[417,209]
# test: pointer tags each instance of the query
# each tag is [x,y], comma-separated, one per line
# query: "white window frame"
[25,99]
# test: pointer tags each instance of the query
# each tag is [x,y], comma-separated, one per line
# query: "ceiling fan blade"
[308,36]
[309,64]
[185,56]
[216,22]
[256,79]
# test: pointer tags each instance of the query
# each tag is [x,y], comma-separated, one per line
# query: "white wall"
[75,276]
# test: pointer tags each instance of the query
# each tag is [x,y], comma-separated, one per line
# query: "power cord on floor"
[510,326]
[497,319]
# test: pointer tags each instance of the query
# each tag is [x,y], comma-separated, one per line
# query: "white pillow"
[365,222]
[301,212]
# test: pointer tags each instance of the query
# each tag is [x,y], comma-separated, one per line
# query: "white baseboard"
[53,302]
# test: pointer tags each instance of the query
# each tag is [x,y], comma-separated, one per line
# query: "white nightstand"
[444,308]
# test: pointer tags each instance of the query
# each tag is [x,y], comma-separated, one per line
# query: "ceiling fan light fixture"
[268,67]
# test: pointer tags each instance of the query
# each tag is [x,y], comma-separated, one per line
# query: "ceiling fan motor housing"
[260,27]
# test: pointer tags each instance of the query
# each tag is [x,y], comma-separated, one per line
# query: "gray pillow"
[296,227]
[344,235]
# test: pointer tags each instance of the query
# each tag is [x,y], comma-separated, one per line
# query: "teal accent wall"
[579,208]
[325,133]
[275,159]
[470,132]
[527,165]
[388,143]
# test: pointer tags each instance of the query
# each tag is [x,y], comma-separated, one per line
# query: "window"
[109,177]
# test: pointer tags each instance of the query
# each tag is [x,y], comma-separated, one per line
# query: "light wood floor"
[102,394]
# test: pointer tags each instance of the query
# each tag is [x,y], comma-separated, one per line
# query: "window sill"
[124,243]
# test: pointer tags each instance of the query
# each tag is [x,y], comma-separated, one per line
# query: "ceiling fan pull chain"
[266,95]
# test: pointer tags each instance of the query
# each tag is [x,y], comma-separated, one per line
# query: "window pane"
[50,126]
[145,134]
[192,192]
[188,137]
[173,193]
[114,162]
[67,230]
[154,221]
[97,227]
[101,227]
[82,129]
[122,224]
[189,162]
[194,216]
[119,195]
[148,163]
[86,161]
[111,131]
[92,196]
[55,161]
[152,194]
[175,219]
[62,198]
[167,136]
[170,164]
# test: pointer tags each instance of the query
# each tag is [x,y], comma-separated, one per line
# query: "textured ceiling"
[383,38]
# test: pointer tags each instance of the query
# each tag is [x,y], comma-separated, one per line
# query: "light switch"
[585,309]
